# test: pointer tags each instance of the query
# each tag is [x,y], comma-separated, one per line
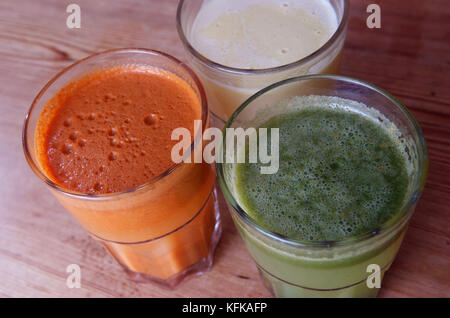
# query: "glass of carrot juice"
[99,136]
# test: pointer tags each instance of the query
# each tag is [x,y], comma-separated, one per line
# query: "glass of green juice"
[352,165]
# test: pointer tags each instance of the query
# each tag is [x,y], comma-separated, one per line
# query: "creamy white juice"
[254,34]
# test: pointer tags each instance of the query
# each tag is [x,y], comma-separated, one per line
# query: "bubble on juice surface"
[74,136]
[151,119]
[112,156]
[112,131]
[67,148]
[67,122]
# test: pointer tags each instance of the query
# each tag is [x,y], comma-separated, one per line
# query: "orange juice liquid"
[109,132]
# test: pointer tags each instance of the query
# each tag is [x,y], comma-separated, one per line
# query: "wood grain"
[409,56]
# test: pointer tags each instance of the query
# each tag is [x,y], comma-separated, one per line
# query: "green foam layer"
[341,174]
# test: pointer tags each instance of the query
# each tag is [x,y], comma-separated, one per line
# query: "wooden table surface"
[409,56]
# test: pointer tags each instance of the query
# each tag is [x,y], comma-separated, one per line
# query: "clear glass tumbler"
[227,87]
[294,268]
[162,231]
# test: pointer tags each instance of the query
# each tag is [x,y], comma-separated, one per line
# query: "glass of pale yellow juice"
[240,47]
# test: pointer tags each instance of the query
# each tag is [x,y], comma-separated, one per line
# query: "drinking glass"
[161,231]
[302,268]
[228,87]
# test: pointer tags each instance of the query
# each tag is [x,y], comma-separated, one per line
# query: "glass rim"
[26,129]
[245,71]
[405,211]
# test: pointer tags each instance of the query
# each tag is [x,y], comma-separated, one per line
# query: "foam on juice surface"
[341,174]
[109,131]
[262,34]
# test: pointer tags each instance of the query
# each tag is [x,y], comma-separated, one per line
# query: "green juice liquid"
[342,173]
